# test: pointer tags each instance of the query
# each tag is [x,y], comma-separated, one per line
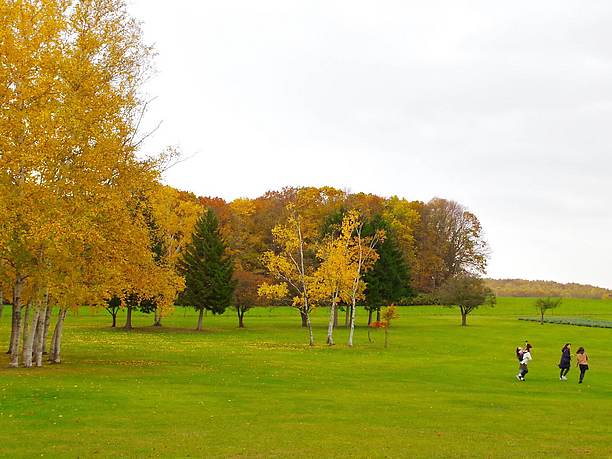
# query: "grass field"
[439,390]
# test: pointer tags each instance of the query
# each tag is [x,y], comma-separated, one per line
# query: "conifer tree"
[207,268]
[389,280]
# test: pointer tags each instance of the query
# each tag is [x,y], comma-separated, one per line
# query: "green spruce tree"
[388,281]
[208,270]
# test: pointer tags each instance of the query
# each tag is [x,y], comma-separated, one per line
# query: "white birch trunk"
[330,326]
[57,337]
[53,342]
[46,325]
[26,321]
[28,341]
[38,338]
[310,334]
[352,326]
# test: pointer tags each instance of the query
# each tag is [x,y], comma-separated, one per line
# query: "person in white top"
[523,366]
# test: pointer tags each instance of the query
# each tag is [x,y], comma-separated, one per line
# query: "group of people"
[582,361]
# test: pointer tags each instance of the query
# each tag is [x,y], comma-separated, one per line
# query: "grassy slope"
[440,390]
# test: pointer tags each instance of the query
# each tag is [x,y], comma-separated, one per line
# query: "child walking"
[582,361]
[565,363]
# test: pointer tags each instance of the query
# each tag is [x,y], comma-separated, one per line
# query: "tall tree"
[450,243]
[363,256]
[335,273]
[207,269]
[293,265]
[388,281]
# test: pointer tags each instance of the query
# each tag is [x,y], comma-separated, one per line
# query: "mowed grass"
[439,390]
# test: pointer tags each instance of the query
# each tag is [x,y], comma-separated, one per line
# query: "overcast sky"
[502,106]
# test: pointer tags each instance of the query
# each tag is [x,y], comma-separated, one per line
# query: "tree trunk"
[16,322]
[240,318]
[352,326]
[369,317]
[28,341]
[304,317]
[53,341]
[378,314]
[47,324]
[128,319]
[158,318]
[330,326]
[200,319]
[336,317]
[38,338]
[26,321]
[114,315]
[13,328]
[541,318]
[463,318]
[57,337]
[309,324]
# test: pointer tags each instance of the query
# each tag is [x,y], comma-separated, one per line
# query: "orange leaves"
[388,315]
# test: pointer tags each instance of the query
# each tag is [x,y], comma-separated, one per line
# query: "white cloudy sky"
[502,106]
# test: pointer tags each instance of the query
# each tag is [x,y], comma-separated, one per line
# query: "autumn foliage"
[86,220]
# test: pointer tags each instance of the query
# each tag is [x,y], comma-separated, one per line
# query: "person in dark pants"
[565,362]
[523,366]
[582,361]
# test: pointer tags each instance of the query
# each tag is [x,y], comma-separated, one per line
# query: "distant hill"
[539,288]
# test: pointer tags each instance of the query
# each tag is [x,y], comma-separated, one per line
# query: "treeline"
[407,249]
[85,220]
[540,288]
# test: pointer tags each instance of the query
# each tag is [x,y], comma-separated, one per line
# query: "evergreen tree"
[208,270]
[389,281]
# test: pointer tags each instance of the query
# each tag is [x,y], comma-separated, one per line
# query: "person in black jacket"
[565,362]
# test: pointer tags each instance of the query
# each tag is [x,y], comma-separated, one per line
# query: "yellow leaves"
[345,256]
[273,291]
[175,217]
[290,264]
[71,181]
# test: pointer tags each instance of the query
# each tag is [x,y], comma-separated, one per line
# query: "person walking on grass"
[582,361]
[565,363]
[523,365]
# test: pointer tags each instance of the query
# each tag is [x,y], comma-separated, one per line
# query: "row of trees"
[330,252]
[85,219]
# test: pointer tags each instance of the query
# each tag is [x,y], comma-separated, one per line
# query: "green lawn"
[440,390]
